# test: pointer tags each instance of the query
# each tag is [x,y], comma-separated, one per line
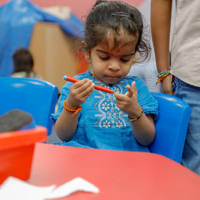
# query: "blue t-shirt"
[101,124]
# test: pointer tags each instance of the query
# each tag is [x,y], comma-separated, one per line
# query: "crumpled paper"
[13,188]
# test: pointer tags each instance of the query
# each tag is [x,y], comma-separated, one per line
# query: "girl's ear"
[83,44]
[87,55]
[136,59]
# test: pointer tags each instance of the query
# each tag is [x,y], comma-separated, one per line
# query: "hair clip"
[121,14]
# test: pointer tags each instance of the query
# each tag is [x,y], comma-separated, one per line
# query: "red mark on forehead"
[118,51]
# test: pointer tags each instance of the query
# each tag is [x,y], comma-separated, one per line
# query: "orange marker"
[97,87]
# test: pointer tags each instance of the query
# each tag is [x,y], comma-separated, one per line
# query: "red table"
[119,175]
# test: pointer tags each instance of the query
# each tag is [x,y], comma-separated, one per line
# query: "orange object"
[16,152]
[97,87]
[71,110]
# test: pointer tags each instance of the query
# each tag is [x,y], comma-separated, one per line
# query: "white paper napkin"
[77,184]
[13,188]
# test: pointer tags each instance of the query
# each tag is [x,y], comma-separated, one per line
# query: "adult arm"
[160,27]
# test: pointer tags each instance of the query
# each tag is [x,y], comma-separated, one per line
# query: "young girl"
[91,118]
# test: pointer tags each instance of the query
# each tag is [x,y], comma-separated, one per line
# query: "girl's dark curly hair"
[105,16]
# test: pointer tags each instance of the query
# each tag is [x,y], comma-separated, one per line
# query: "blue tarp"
[17,20]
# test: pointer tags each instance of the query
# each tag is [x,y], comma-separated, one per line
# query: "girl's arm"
[143,128]
[66,125]
[160,27]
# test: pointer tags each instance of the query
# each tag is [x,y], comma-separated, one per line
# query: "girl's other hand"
[128,102]
[79,92]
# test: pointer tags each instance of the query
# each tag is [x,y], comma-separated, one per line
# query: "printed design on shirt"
[109,115]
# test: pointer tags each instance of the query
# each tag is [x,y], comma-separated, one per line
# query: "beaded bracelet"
[163,75]
[71,110]
[134,119]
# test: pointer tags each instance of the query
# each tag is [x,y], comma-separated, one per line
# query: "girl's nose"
[115,66]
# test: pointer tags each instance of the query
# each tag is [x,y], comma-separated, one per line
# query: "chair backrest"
[37,97]
[171,126]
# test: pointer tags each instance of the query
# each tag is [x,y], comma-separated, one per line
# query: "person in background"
[185,64]
[123,120]
[148,73]
[23,64]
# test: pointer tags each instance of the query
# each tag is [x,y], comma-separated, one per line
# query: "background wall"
[78,7]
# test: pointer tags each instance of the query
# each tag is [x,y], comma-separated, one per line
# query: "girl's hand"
[79,92]
[128,102]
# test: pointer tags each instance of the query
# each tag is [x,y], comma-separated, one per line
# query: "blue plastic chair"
[37,97]
[171,126]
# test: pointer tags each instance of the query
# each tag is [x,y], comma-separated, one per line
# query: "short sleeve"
[63,96]
[146,100]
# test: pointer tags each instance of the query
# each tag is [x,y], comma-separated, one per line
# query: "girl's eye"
[103,58]
[125,60]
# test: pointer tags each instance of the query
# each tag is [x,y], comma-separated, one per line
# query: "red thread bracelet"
[71,110]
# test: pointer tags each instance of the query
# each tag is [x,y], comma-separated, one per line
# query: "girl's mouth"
[112,77]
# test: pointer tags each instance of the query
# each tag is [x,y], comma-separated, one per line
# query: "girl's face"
[110,64]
